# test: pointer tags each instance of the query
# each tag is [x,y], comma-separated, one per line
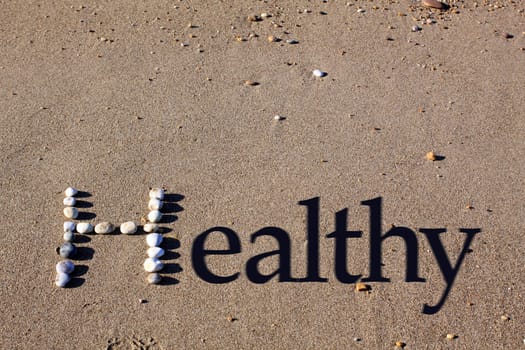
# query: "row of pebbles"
[152,264]
[65,267]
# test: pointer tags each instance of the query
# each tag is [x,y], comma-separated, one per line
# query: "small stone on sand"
[431,156]
[433,4]
[451,336]
[362,287]
[400,344]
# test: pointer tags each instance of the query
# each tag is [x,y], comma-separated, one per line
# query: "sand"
[116,97]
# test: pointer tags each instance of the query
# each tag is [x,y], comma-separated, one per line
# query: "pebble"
[278,117]
[153,239]
[272,39]
[400,344]
[70,212]
[67,250]
[416,28]
[318,73]
[154,204]
[430,156]
[361,10]
[128,228]
[70,192]
[69,236]
[507,35]
[65,266]
[433,4]
[154,216]
[250,83]
[265,15]
[69,226]
[292,41]
[104,228]
[505,318]
[149,227]
[451,336]
[69,201]
[156,193]
[362,287]
[62,279]
[155,252]
[154,278]
[84,227]
[153,265]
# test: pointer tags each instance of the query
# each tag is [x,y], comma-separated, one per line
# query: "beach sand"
[116,97]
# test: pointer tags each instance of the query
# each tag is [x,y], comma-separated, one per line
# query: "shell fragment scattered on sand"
[318,73]
[362,287]
[430,156]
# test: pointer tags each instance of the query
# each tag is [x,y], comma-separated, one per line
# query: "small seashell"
[128,228]
[69,201]
[84,227]
[70,192]
[149,227]
[156,193]
[153,265]
[318,73]
[62,279]
[360,10]
[154,204]
[155,252]
[292,41]
[65,266]
[70,212]
[154,216]
[153,239]
[69,236]
[69,226]
[433,4]
[272,39]
[67,250]
[104,228]
[154,278]
[400,344]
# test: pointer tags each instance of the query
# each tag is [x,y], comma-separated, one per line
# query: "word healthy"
[340,236]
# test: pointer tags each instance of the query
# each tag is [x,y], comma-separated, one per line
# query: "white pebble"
[278,117]
[65,266]
[361,10]
[149,227]
[69,226]
[128,228]
[154,278]
[69,236]
[154,216]
[70,212]
[318,73]
[153,239]
[69,201]
[70,192]
[154,204]
[104,228]
[156,193]
[62,279]
[416,28]
[153,265]
[84,227]
[155,252]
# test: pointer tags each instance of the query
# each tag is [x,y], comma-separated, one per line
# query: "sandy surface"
[101,95]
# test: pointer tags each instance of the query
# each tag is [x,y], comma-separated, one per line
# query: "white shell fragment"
[69,236]
[318,73]
[128,228]
[278,117]
[70,212]
[62,279]
[69,201]
[149,227]
[84,227]
[65,266]
[153,239]
[154,216]
[155,252]
[154,278]
[104,228]
[70,192]
[69,226]
[156,193]
[154,204]
[153,265]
